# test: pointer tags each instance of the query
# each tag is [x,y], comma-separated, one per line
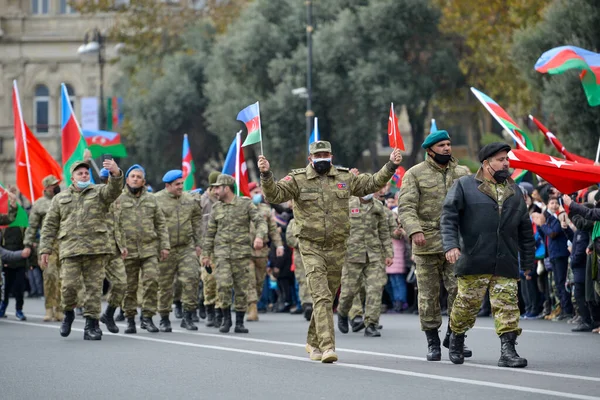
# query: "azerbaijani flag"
[104,142]
[564,58]
[187,166]
[504,120]
[21,220]
[315,136]
[235,165]
[558,145]
[396,180]
[251,117]
[73,142]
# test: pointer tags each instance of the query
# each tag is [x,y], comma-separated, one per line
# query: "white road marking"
[489,328]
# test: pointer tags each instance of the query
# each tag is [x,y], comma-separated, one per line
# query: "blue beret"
[435,137]
[135,166]
[104,173]
[172,175]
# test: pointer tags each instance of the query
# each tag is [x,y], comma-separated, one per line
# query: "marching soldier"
[211,299]
[299,271]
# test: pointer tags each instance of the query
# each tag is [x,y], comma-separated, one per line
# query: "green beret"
[435,137]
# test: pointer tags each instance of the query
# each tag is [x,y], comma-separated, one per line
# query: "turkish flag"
[394,135]
[3,201]
[567,176]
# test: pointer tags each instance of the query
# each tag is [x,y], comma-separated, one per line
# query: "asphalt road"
[271,363]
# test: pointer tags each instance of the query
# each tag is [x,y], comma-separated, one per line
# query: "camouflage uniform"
[369,243]
[299,271]
[183,216]
[210,283]
[424,188]
[322,228]
[76,223]
[143,227]
[227,241]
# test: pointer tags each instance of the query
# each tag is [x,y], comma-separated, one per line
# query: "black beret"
[489,150]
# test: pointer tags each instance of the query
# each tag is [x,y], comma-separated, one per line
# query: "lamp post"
[309,112]
[95,42]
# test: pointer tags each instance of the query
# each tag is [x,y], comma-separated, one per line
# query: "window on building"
[41,105]
[39,6]
[65,7]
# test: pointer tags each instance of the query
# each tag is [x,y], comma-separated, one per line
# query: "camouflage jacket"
[77,220]
[265,212]
[36,218]
[207,202]
[141,224]
[290,236]
[321,202]
[422,194]
[369,232]
[228,233]
[392,220]
[183,216]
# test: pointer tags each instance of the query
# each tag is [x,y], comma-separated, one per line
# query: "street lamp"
[94,42]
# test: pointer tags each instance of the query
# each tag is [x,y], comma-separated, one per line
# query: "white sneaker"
[314,353]
[329,356]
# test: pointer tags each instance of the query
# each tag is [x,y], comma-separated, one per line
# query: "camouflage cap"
[78,164]
[212,177]
[50,180]
[224,180]
[320,146]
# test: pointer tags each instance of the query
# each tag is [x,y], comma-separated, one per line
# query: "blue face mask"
[83,185]
[257,199]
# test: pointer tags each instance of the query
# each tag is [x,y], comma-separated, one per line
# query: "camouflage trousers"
[210,287]
[431,269]
[176,288]
[503,299]
[258,271]
[357,304]
[146,270]
[323,274]
[300,275]
[233,274]
[90,270]
[353,277]
[115,273]
[184,262]
[52,282]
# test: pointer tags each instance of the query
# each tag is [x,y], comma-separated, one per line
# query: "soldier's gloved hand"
[44,260]
[263,164]
[396,157]
[453,255]
[258,244]
[164,254]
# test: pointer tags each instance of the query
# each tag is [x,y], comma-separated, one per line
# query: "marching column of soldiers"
[214,245]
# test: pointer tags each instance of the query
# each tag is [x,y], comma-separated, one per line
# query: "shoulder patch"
[287,178]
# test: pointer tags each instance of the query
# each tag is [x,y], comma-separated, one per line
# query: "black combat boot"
[466,351]
[239,322]
[148,324]
[372,331]
[130,325]
[218,317]
[165,324]
[120,316]
[358,324]
[89,332]
[178,309]
[65,327]
[342,323]
[308,310]
[226,320]
[210,315]
[457,345]
[508,354]
[195,316]
[97,327]
[202,310]
[108,319]
[434,352]
[187,321]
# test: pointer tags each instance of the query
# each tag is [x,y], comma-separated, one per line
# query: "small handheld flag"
[394,135]
[187,166]
[235,165]
[73,142]
[251,117]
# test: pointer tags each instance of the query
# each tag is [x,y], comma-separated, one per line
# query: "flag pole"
[262,153]
[238,148]
[395,127]
[317,133]
[598,151]
[24,138]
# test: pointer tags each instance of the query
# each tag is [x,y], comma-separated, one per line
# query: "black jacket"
[493,240]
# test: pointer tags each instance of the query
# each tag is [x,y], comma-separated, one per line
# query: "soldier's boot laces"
[187,322]
[508,353]
[342,323]
[65,327]
[308,310]
[90,332]
[457,345]
[165,324]
[218,317]
[372,331]
[130,325]
[210,315]
[466,351]
[108,319]
[226,320]
[195,317]
[178,310]
[148,324]
[434,352]
[358,324]
[239,322]
[202,310]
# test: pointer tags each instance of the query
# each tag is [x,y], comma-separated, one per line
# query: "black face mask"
[56,190]
[442,159]
[322,166]
[500,176]
[134,190]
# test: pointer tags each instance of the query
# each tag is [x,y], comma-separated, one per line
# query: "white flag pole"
[24,138]
[260,130]
[598,151]
[317,133]
[238,138]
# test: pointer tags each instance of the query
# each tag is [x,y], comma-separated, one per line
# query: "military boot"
[120,316]
[226,320]
[65,327]
[218,317]
[342,323]
[97,327]
[178,310]
[239,322]
[457,344]
[508,353]
[165,324]
[210,315]
[308,310]
[90,332]
[434,352]
[79,311]
[148,325]
[195,317]
[372,331]
[202,310]
[49,315]
[130,325]
[187,321]
[252,312]
[108,319]
[466,351]
[358,324]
